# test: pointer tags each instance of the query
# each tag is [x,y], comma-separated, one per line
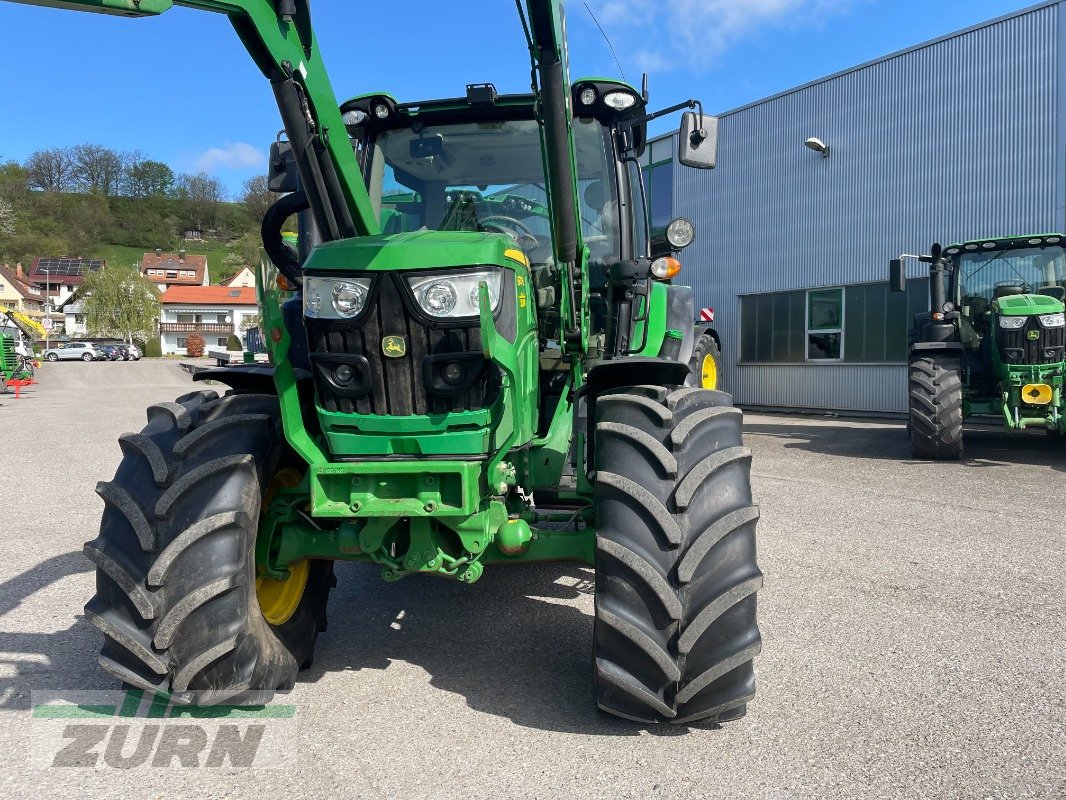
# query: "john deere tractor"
[475,360]
[993,342]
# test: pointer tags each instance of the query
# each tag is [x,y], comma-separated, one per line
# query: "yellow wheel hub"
[278,600]
[709,372]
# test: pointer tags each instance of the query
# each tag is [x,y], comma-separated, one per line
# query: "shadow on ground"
[507,644]
[984,447]
[511,644]
[64,659]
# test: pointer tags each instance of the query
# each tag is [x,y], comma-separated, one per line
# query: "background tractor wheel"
[676,574]
[935,420]
[176,590]
[703,367]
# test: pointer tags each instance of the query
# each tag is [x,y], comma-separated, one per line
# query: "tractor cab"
[1009,295]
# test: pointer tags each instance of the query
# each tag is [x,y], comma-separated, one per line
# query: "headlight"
[335,298]
[1012,323]
[455,294]
[1053,320]
[620,101]
[680,233]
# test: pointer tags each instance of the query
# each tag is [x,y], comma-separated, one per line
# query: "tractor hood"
[416,250]
[1022,305]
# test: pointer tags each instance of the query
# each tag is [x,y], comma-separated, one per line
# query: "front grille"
[1015,346]
[397,386]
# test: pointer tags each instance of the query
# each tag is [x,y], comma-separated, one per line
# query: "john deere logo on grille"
[1033,335]
[394,346]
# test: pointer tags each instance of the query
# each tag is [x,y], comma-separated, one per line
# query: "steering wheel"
[517,229]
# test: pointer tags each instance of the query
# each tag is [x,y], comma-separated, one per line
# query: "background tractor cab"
[996,327]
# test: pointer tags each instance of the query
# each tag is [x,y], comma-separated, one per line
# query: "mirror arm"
[689,104]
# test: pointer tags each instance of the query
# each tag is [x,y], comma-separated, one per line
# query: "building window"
[825,324]
[183,342]
[860,324]
[659,184]
[221,341]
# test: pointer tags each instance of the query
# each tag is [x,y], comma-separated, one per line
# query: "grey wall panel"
[845,387]
[953,140]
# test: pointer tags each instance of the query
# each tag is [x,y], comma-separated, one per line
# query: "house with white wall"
[215,312]
[244,278]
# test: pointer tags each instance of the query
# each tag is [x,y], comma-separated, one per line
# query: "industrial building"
[960,138]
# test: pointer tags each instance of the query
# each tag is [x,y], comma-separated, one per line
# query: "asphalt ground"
[912,619]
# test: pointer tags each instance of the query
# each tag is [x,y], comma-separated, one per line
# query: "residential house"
[175,269]
[215,312]
[243,279]
[18,293]
[74,317]
[61,277]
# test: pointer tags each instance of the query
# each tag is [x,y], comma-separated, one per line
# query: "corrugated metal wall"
[957,139]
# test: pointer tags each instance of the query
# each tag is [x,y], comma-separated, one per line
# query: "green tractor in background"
[17,333]
[993,343]
[476,359]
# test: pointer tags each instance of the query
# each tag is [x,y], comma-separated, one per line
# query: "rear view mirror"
[698,146]
[427,146]
[282,176]
[897,276]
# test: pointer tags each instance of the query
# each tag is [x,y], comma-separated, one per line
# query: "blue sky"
[180,88]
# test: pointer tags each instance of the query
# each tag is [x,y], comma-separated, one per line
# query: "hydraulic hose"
[281,254]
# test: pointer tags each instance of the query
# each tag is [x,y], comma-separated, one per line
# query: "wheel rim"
[709,372]
[278,600]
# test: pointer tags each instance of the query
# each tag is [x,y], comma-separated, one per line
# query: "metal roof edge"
[890,56]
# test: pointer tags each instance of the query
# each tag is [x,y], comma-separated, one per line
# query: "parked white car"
[75,351]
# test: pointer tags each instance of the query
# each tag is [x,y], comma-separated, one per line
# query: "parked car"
[75,351]
[135,353]
[114,352]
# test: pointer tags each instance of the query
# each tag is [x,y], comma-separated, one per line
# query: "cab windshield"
[489,176]
[985,276]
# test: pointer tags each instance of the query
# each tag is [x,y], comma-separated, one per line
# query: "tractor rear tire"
[176,594]
[676,571]
[704,365]
[935,419]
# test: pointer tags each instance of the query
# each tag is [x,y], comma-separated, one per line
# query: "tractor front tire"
[935,408]
[703,366]
[176,590]
[676,572]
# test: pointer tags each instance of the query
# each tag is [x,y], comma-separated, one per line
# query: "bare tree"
[97,170]
[203,194]
[257,197]
[51,170]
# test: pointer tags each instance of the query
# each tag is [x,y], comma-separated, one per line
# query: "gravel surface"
[912,618]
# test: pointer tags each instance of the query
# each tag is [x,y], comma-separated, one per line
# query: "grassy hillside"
[122,256]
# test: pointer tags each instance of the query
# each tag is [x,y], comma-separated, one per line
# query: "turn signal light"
[665,268]
[285,284]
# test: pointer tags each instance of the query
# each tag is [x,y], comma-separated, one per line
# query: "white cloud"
[231,155]
[666,34]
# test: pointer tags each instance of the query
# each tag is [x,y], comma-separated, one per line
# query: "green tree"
[7,219]
[147,178]
[231,265]
[120,303]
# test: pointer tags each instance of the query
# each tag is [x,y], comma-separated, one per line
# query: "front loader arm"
[279,37]
[551,62]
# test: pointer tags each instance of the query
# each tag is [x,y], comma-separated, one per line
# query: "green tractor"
[993,343]
[17,363]
[475,360]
